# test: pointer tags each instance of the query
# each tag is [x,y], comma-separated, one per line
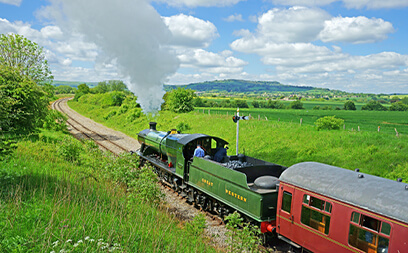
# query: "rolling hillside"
[242,86]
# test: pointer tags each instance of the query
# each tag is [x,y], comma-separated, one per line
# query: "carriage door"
[285,216]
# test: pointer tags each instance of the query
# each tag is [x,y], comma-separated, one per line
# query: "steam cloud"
[128,31]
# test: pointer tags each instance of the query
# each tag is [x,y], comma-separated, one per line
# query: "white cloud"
[294,59]
[303,2]
[355,4]
[296,24]
[211,62]
[12,2]
[375,4]
[189,31]
[197,3]
[232,18]
[355,30]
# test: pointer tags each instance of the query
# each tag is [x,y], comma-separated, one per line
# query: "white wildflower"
[69,240]
[87,238]
[80,241]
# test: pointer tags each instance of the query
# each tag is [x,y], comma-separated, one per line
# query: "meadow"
[61,195]
[285,141]
[369,121]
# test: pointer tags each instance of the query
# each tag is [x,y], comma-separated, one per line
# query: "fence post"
[278,119]
[301,120]
[379,128]
[209,112]
[266,118]
[259,117]
[344,126]
[396,132]
[359,128]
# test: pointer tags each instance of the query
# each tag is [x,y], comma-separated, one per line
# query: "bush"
[243,237]
[374,106]
[329,123]
[350,106]
[182,127]
[55,120]
[398,106]
[133,115]
[70,150]
[296,105]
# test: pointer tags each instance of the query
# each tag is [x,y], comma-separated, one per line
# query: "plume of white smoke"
[129,31]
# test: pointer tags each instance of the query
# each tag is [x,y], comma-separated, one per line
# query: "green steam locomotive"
[238,183]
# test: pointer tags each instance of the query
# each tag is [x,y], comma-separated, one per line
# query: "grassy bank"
[60,195]
[286,143]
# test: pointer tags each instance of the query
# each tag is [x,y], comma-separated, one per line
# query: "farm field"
[284,142]
[366,120]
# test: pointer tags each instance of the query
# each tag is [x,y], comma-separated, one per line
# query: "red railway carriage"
[324,208]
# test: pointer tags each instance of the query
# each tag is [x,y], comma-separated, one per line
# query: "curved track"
[104,141]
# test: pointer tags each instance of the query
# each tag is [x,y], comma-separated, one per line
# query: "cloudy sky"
[349,45]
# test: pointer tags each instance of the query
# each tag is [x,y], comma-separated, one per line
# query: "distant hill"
[241,86]
[74,84]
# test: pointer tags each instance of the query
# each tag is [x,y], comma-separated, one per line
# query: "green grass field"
[60,195]
[284,142]
[367,120]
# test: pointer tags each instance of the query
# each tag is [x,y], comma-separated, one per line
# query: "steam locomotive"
[314,206]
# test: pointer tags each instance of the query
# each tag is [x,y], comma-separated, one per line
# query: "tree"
[64,89]
[23,104]
[255,104]
[180,100]
[26,57]
[241,103]
[296,105]
[398,106]
[349,106]
[82,90]
[374,106]
[111,85]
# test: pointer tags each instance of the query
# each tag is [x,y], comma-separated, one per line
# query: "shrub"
[349,105]
[296,105]
[329,122]
[133,115]
[197,225]
[316,107]
[55,120]
[109,115]
[69,150]
[398,106]
[182,127]
[243,237]
[374,106]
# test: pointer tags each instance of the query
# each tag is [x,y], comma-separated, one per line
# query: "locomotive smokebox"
[153,126]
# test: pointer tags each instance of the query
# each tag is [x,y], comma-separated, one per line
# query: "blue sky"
[349,45]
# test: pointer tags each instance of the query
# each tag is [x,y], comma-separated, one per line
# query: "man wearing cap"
[221,153]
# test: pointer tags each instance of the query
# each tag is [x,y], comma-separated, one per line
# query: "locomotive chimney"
[153,126]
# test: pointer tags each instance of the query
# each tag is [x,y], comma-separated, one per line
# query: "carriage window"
[286,201]
[385,228]
[313,213]
[365,233]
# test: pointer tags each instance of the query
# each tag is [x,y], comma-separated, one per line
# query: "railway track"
[102,140]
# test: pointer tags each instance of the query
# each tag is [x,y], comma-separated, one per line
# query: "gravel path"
[174,203]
